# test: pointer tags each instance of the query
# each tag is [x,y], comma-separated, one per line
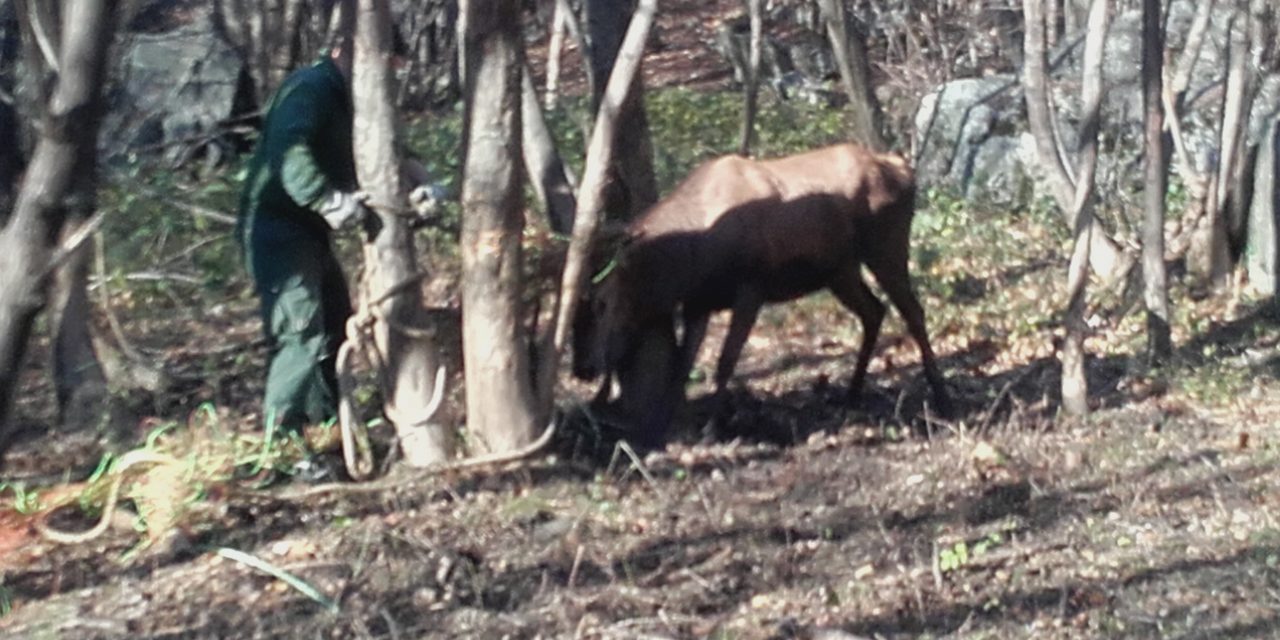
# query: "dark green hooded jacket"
[302,157]
[304,153]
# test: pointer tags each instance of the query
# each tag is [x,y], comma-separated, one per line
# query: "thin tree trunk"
[1211,257]
[1075,380]
[851,58]
[410,361]
[591,194]
[547,172]
[70,124]
[560,18]
[78,376]
[751,88]
[501,404]
[1105,256]
[1154,277]
[635,188]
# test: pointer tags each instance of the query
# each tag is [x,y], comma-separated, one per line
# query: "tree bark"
[851,58]
[751,88]
[69,126]
[591,196]
[1075,194]
[78,376]
[501,405]
[1210,257]
[634,187]
[1105,257]
[1154,277]
[547,172]
[410,361]
[561,17]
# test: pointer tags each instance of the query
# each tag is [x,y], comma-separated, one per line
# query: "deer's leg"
[606,389]
[695,330]
[891,273]
[853,293]
[746,307]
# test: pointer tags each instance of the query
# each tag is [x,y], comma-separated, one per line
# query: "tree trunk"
[1210,257]
[751,88]
[410,362]
[1154,277]
[561,16]
[1105,257]
[78,376]
[273,36]
[547,172]
[851,58]
[634,188]
[69,126]
[501,405]
[591,196]
[1074,194]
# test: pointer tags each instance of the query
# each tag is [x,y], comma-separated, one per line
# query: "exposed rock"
[965,128]
[965,142]
[175,87]
[1262,245]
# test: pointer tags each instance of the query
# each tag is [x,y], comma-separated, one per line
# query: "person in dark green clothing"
[300,185]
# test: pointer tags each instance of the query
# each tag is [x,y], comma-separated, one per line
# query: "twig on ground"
[639,466]
[1004,391]
[573,571]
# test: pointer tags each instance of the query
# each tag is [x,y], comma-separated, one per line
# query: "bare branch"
[1190,54]
[591,192]
[41,35]
[1035,81]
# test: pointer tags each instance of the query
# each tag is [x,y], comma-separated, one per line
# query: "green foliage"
[960,554]
[159,249]
[24,501]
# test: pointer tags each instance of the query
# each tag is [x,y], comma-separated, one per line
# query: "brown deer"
[736,234]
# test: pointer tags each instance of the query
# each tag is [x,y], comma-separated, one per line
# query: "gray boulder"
[1262,243]
[965,142]
[175,90]
[967,131]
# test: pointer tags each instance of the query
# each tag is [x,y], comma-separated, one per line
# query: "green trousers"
[305,306]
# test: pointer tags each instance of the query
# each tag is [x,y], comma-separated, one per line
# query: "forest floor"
[1151,518]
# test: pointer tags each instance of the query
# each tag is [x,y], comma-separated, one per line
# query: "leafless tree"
[29,251]
[849,48]
[1073,190]
[751,86]
[79,381]
[1154,278]
[633,184]
[273,36]
[389,288]
[548,175]
[591,194]
[502,408]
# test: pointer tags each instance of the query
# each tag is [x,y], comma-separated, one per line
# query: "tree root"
[461,465]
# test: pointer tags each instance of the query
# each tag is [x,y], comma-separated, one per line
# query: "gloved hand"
[344,207]
[426,200]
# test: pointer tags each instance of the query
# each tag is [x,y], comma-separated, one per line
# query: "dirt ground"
[804,519]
